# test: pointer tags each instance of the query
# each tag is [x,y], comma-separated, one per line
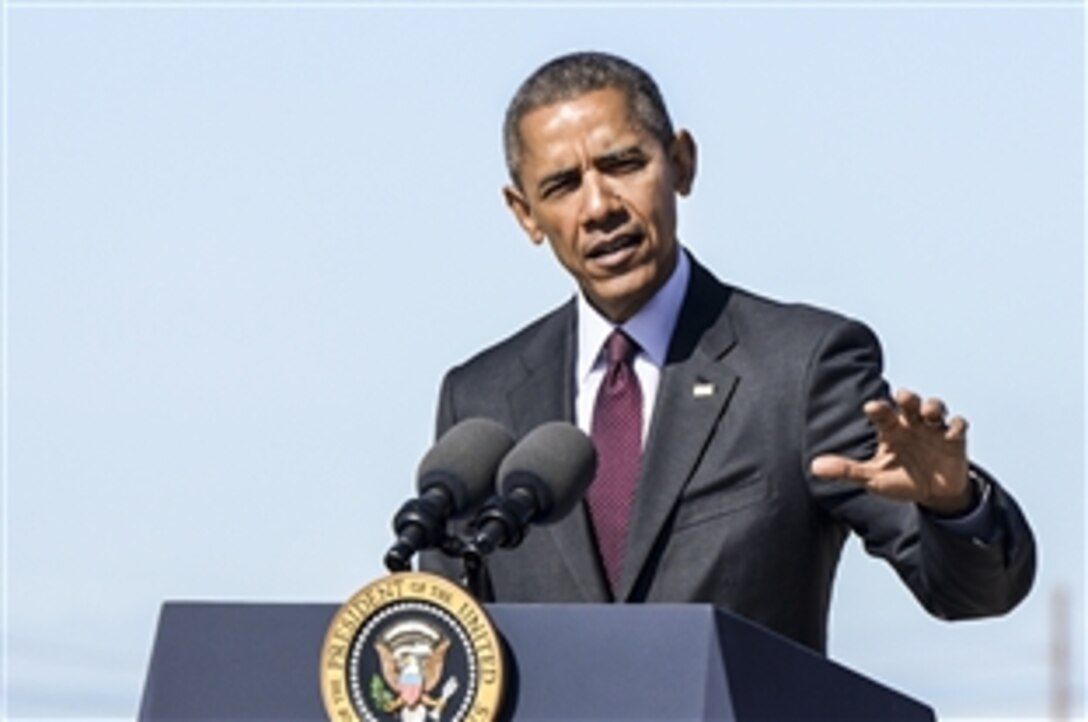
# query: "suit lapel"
[692,396]
[549,365]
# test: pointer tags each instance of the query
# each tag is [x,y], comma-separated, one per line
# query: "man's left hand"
[920,457]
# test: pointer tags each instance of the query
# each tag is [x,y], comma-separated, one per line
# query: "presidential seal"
[411,647]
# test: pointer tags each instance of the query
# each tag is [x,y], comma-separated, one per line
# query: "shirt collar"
[651,327]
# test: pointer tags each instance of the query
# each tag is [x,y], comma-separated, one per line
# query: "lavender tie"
[617,434]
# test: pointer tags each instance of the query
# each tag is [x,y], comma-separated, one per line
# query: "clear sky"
[243,243]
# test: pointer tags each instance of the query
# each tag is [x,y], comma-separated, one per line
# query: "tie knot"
[620,349]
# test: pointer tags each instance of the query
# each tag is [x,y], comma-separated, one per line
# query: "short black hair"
[575,74]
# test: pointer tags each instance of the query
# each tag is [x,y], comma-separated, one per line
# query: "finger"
[957,429]
[882,415]
[933,412]
[831,466]
[909,405]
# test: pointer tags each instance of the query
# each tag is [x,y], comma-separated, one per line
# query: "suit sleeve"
[953,576]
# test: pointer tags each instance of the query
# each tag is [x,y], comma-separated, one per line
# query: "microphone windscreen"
[556,463]
[464,462]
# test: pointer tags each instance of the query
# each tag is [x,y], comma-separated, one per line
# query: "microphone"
[454,477]
[540,482]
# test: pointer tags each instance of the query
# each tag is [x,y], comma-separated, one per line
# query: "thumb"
[833,466]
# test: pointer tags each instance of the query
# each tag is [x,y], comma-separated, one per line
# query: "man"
[739,439]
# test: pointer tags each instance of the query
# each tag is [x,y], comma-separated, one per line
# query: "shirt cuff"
[977,523]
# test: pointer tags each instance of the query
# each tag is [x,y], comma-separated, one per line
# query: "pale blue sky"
[244,243]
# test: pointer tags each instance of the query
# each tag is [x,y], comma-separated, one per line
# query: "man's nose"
[601,206]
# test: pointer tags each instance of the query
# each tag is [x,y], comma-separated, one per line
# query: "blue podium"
[225,661]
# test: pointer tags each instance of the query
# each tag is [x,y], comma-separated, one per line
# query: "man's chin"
[618,302]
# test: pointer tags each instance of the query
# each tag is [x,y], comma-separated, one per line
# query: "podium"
[228,661]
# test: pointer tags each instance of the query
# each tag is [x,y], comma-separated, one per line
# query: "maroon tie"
[617,434]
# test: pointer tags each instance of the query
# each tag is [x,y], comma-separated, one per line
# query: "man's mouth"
[615,245]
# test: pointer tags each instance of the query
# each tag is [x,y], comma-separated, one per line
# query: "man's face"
[602,190]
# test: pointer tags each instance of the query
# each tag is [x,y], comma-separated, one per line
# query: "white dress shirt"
[651,328]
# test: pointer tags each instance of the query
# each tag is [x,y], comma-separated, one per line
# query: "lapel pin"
[702,390]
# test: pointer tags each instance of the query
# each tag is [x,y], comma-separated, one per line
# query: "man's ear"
[519,206]
[684,156]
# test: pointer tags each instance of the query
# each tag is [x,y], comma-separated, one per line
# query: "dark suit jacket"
[726,511]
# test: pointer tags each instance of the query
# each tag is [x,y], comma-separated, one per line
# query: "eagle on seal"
[413,667]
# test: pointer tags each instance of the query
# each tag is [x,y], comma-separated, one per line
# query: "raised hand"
[919,457]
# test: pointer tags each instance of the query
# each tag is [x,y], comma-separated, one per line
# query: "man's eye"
[560,186]
[627,164]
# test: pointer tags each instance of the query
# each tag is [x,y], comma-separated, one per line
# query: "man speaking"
[739,439]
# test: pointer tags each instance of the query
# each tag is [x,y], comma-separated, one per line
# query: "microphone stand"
[502,522]
[473,558]
[475,577]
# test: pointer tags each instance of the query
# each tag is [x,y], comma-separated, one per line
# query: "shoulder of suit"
[783,340]
[706,285]
[763,321]
[551,328]
[742,301]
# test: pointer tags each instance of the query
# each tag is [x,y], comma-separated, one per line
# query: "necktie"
[617,434]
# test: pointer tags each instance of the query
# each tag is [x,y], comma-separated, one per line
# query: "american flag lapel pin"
[702,389]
